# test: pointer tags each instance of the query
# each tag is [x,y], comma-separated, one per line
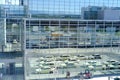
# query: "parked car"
[49,58]
[110,67]
[74,59]
[94,65]
[44,70]
[65,57]
[82,57]
[40,59]
[62,65]
[51,64]
[91,57]
[97,56]
[113,62]
[70,65]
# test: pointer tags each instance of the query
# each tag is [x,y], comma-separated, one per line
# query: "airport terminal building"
[45,39]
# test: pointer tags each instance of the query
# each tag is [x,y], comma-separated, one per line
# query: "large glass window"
[57,46]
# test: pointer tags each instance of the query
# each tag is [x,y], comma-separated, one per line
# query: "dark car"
[96,56]
[116,78]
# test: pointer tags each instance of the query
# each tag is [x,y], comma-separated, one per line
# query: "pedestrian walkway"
[12,77]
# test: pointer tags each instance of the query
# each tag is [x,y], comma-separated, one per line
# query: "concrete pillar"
[108,77]
[5,68]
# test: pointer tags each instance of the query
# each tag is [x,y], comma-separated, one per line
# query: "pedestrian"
[87,74]
[81,76]
[68,74]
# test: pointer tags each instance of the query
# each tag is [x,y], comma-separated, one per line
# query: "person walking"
[68,75]
[81,76]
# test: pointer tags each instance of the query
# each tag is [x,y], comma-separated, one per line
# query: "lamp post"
[5,25]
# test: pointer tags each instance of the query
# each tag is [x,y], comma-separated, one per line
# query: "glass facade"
[11,11]
[11,55]
[56,46]
[71,34]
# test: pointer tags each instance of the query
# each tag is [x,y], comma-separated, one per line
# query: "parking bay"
[79,68]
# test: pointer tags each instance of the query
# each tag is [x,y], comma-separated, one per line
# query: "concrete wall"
[2,32]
